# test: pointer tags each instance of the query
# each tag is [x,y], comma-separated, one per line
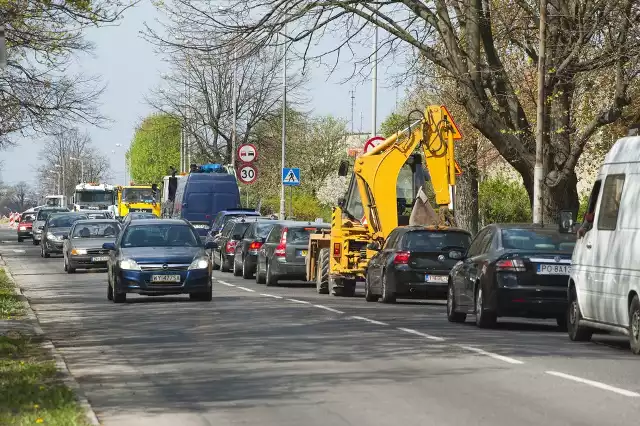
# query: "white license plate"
[201,226]
[436,278]
[100,259]
[544,269]
[165,278]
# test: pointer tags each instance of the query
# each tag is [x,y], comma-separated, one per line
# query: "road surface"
[286,356]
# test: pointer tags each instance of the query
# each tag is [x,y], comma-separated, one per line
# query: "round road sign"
[247,173]
[247,153]
[372,143]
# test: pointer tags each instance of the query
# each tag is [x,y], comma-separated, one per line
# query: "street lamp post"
[284,122]
[119,145]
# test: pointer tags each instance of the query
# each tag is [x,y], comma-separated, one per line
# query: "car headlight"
[129,264]
[199,263]
[77,252]
[53,237]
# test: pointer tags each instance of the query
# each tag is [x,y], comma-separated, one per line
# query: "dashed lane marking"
[595,384]
[326,308]
[226,283]
[271,295]
[417,333]
[246,289]
[491,354]
[304,302]
[369,320]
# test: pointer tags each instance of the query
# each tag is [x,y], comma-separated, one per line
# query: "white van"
[604,285]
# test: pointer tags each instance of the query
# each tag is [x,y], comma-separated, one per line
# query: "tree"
[503,200]
[155,148]
[38,93]
[63,158]
[395,122]
[480,45]
[23,196]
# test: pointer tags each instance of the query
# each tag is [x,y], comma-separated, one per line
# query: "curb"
[61,365]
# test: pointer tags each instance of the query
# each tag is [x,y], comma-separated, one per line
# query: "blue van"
[200,196]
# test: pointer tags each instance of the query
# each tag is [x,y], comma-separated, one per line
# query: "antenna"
[353,97]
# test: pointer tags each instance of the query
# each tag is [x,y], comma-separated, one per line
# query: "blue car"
[157,257]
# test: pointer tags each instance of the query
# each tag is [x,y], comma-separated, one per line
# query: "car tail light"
[231,246]
[281,250]
[511,265]
[402,258]
[255,245]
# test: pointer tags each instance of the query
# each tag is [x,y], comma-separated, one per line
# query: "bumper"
[530,302]
[289,270]
[194,281]
[413,283]
[53,247]
[37,236]
[25,234]
[85,262]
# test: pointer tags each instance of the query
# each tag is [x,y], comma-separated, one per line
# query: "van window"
[610,204]
[593,198]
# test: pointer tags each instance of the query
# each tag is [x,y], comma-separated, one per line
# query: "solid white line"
[226,283]
[271,295]
[326,308]
[417,333]
[595,384]
[246,289]
[299,301]
[369,320]
[491,354]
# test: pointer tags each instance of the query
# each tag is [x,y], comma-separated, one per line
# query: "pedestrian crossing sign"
[291,176]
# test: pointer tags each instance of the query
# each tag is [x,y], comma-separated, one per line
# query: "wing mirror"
[65,237]
[343,169]
[373,246]
[454,254]
[210,245]
[109,246]
[567,220]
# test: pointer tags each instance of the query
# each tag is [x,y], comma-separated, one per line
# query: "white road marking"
[369,320]
[18,251]
[299,301]
[326,308]
[594,384]
[246,289]
[417,333]
[491,354]
[226,283]
[271,295]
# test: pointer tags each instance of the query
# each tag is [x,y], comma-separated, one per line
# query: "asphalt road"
[287,356]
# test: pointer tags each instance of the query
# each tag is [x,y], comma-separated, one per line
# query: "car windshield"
[538,239]
[436,240]
[44,214]
[160,235]
[137,195]
[28,217]
[300,235]
[96,230]
[94,197]
[64,221]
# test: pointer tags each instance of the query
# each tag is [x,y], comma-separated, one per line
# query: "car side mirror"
[454,254]
[343,169]
[65,237]
[109,246]
[373,246]
[210,245]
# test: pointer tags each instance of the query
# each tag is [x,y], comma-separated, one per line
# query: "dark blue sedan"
[157,257]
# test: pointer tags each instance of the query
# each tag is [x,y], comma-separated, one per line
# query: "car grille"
[161,267]
[97,251]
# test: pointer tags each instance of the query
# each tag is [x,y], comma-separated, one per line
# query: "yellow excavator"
[385,183]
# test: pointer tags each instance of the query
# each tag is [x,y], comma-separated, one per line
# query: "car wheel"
[119,297]
[452,315]
[43,252]
[387,296]
[109,291]
[35,242]
[223,267]
[260,279]
[634,325]
[20,239]
[66,266]
[576,332]
[368,296]
[484,319]
[322,272]
[246,273]
[561,320]
[236,270]
[271,279]
[215,264]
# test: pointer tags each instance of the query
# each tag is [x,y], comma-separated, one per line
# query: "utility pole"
[188,112]
[284,122]
[353,97]
[538,171]
[374,86]
[235,108]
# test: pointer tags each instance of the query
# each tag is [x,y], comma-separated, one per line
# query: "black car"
[246,251]
[415,262]
[82,248]
[55,229]
[157,257]
[512,270]
[226,242]
[283,254]
[41,218]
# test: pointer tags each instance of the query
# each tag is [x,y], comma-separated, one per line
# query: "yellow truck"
[138,198]
[385,183]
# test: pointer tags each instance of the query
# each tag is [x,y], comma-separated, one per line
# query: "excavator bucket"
[423,214]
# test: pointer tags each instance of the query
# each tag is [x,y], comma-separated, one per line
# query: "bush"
[503,200]
[305,206]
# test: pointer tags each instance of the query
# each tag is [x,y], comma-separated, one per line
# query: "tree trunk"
[466,197]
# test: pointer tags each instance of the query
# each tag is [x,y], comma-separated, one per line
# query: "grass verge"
[30,388]
[11,306]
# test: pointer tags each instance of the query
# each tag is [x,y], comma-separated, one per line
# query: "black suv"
[231,235]
[246,254]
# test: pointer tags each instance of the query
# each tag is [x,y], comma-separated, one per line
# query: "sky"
[130,68]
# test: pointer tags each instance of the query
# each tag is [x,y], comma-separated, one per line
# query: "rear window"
[435,240]
[301,235]
[263,229]
[29,217]
[240,228]
[538,239]
[64,221]
[44,214]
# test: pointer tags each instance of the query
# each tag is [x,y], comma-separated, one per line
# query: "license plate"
[165,278]
[302,253]
[544,269]
[100,259]
[201,226]
[436,278]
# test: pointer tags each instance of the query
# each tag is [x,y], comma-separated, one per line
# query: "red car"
[25,225]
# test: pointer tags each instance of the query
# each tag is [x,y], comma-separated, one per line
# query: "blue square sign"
[291,176]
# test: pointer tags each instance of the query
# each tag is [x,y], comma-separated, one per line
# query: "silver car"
[41,218]
[82,247]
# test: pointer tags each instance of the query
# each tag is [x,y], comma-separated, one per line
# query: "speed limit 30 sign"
[247,173]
